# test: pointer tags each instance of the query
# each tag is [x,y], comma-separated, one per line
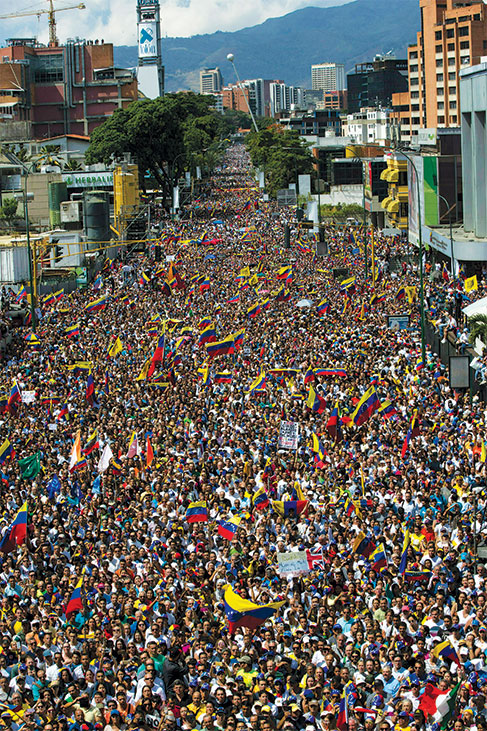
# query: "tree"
[73,165]
[477,325]
[160,134]
[49,155]
[8,211]
[281,153]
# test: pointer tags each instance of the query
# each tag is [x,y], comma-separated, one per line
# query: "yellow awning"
[384,173]
[386,202]
[393,206]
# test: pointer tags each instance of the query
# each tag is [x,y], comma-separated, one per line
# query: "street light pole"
[231,58]
[421,275]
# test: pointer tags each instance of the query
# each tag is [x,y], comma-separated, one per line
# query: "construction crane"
[51,11]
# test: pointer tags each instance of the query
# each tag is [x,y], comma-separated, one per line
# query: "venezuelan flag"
[96,305]
[16,533]
[404,554]
[289,508]
[315,402]
[208,335]
[72,330]
[259,383]
[205,284]
[92,443]
[260,500]
[144,279]
[234,300]
[368,404]
[323,308]
[387,410]
[418,576]
[446,651]
[221,347]
[6,450]
[197,512]
[401,293]
[285,272]
[90,389]
[75,603]
[64,412]
[378,559]
[253,310]
[228,528]
[205,322]
[242,613]
[21,294]
[238,338]
[223,377]
[158,356]
[15,396]
[333,425]
[330,372]
[32,340]
[363,545]
[413,431]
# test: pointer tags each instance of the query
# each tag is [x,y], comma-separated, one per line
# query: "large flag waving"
[75,602]
[242,613]
[16,534]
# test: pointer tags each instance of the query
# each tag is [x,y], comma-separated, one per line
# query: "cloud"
[115,20]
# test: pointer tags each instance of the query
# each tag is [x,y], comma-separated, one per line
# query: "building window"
[450,33]
[413,67]
[452,89]
[453,105]
[464,45]
[438,35]
[415,95]
[453,120]
[463,30]
[441,105]
[439,63]
[414,120]
[451,46]
[476,16]
[452,76]
[439,77]
[415,107]
[451,62]
[440,91]
[439,49]
[441,120]
[413,82]
[413,54]
[465,60]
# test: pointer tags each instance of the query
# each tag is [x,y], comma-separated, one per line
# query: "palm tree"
[49,155]
[72,165]
[478,328]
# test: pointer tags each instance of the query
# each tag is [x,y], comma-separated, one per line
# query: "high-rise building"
[453,36]
[150,71]
[61,90]
[373,84]
[211,81]
[328,76]
[284,97]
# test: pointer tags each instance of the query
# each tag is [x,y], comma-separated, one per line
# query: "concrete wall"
[38,184]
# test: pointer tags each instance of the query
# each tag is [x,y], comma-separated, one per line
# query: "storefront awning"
[476,308]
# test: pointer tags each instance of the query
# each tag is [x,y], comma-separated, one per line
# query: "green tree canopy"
[281,153]
[160,134]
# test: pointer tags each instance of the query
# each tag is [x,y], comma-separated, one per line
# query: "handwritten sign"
[288,435]
[294,563]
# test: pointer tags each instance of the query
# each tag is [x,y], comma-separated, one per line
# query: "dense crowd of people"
[126,418]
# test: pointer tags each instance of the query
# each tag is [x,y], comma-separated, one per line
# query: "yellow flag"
[411,294]
[115,348]
[483,453]
[471,284]
[145,369]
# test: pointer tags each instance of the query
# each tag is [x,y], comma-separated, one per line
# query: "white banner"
[28,397]
[292,564]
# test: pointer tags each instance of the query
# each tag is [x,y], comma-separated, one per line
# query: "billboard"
[147,39]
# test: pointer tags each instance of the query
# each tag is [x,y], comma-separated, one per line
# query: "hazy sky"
[115,20]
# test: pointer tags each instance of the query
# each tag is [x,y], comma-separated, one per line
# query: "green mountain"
[284,48]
